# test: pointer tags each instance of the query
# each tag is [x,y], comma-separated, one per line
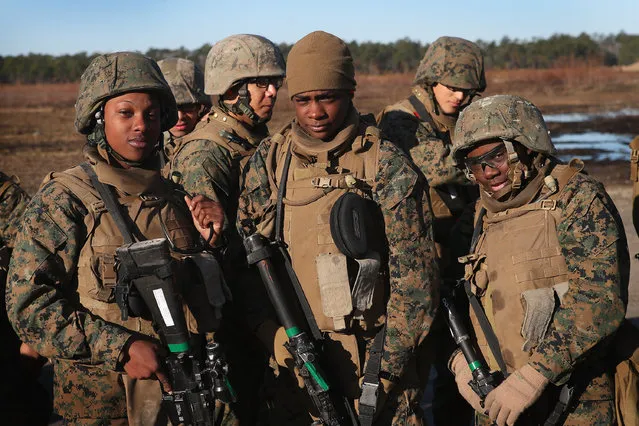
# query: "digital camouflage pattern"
[186,81]
[23,401]
[44,309]
[453,62]
[505,117]
[13,202]
[634,178]
[60,288]
[413,274]
[209,163]
[593,244]
[113,74]
[427,140]
[238,57]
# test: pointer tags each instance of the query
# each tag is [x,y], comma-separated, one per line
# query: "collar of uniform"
[316,150]
[444,122]
[131,181]
[252,135]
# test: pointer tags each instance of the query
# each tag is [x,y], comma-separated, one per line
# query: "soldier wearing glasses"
[244,72]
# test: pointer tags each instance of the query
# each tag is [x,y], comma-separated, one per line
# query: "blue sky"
[63,26]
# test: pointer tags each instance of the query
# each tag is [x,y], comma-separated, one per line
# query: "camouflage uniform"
[60,295]
[22,400]
[573,251]
[186,81]
[412,271]
[424,132]
[634,177]
[209,161]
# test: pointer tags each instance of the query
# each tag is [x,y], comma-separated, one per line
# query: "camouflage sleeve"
[13,202]
[593,243]
[634,178]
[414,282]
[433,157]
[206,169]
[255,205]
[42,299]
[417,139]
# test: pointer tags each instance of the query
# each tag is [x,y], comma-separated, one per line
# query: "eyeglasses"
[467,92]
[264,82]
[188,108]
[495,158]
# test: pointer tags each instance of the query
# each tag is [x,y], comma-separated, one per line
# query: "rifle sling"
[370,385]
[489,333]
[111,204]
[279,238]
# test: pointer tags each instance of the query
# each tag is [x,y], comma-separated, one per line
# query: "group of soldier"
[378,217]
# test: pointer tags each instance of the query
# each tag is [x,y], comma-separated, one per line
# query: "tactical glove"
[459,367]
[518,392]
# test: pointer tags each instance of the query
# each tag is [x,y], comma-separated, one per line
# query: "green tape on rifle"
[293,331]
[229,387]
[178,347]
[474,365]
[318,379]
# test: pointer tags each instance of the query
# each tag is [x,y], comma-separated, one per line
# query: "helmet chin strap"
[517,173]
[243,106]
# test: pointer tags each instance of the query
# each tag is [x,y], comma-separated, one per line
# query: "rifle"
[196,381]
[483,380]
[333,409]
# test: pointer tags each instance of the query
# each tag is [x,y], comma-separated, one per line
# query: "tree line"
[401,56]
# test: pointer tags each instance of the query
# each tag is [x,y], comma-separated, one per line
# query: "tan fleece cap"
[319,61]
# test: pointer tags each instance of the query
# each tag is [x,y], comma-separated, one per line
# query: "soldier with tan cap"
[548,276]
[300,188]
[244,73]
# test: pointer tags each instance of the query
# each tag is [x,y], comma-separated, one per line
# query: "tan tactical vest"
[517,270]
[209,128]
[96,272]
[311,191]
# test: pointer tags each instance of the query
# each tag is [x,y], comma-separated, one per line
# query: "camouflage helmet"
[506,117]
[239,57]
[454,62]
[117,73]
[186,81]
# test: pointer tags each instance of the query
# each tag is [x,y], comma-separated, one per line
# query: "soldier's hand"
[143,362]
[31,361]
[518,392]
[206,212]
[463,375]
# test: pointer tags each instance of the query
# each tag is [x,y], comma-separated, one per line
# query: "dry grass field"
[37,134]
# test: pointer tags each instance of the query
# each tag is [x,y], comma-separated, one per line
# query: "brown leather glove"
[459,367]
[518,392]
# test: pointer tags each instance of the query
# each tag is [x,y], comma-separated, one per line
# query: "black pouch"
[349,221]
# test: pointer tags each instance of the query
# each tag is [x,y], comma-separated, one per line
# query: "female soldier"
[63,279]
